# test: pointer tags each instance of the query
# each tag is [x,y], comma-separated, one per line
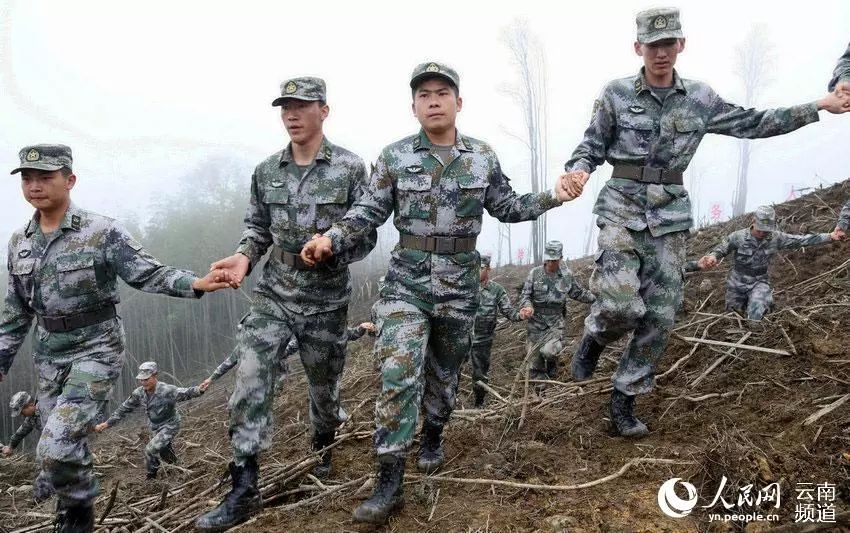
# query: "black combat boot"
[430,448]
[239,504]
[623,416]
[586,358]
[321,440]
[388,495]
[168,455]
[74,518]
[480,394]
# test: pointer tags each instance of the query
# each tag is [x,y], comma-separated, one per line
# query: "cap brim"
[547,257]
[37,166]
[672,34]
[143,375]
[279,100]
[416,80]
[765,227]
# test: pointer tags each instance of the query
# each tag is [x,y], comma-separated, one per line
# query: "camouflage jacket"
[355,332]
[73,270]
[631,125]
[160,407]
[494,300]
[753,256]
[844,217]
[433,199]
[30,423]
[842,70]
[547,294]
[287,209]
[283,353]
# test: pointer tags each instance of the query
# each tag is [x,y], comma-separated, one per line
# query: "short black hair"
[435,77]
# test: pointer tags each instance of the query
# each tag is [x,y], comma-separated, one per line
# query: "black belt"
[291,259]
[750,272]
[62,324]
[647,174]
[548,310]
[437,245]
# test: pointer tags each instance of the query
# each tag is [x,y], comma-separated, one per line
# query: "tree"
[529,93]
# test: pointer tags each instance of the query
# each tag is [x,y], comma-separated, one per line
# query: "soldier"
[492,301]
[160,400]
[544,304]
[295,193]
[438,182]
[63,267]
[23,405]
[840,82]
[748,289]
[648,126]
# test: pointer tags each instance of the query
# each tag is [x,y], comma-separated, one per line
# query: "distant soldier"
[494,300]
[160,402]
[22,404]
[544,304]
[748,289]
[64,266]
[648,126]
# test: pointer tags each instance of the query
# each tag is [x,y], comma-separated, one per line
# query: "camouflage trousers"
[160,440]
[638,283]
[71,395]
[753,299]
[479,358]
[321,340]
[545,343]
[413,344]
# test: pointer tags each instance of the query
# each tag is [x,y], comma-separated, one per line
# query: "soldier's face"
[28,409]
[759,234]
[148,384]
[436,106]
[659,57]
[46,190]
[485,274]
[303,120]
[551,265]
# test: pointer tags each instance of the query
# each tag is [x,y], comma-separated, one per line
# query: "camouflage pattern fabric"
[29,424]
[282,361]
[842,70]
[427,297]
[748,284]
[547,294]
[844,217]
[493,300]
[630,126]
[73,270]
[159,441]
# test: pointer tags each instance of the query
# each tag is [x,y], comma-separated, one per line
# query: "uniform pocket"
[471,191]
[278,202]
[414,198]
[76,274]
[331,205]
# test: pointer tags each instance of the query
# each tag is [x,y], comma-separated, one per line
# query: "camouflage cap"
[553,251]
[19,401]
[765,219]
[432,69]
[307,89]
[147,369]
[44,157]
[657,24]
[485,260]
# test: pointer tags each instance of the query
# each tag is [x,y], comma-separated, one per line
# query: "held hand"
[213,281]
[837,235]
[368,326]
[835,102]
[317,250]
[7,451]
[205,384]
[236,265]
[843,88]
[526,312]
[574,182]
[707,262]
[101,427]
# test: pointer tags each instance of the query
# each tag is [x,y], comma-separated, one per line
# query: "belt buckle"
[652,175]
[444,245]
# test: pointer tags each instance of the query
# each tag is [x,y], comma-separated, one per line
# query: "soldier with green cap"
[748,289]
[63,270]
[296,193]
[648,126]
[438,183]
[493,300]
[22,404]
[544,304]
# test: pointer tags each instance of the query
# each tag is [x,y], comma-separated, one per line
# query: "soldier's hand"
[835,102]
[236,265]
[7,451]
[574,182]
[317,250]
[842,88]
[368,326]
[837,235]
[707,262]
[526,312]
[100,427]
[213,281]
[205,384]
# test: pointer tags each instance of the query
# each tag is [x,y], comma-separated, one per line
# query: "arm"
[25,429]
[257,236]
[726,246]
[225,365]
[784,241]
[356,191]
[504,204]
[133,401]
[354,333]
[187,393]
[841,76]
[14,321]
[733,120]
[579,293]
[527,290]
[691,266]
[591,151]
[505,307]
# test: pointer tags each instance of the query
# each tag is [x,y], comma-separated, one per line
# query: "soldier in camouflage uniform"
[840,81]
[63,269]
[23,405]
[438,182]
[648,126]
[295,193]
[544,304]
[748,289]
[160,402]
[493,300]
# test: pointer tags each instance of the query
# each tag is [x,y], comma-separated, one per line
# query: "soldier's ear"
[638,49]
[681,44]
[72,180]
[459,103]
[324,111]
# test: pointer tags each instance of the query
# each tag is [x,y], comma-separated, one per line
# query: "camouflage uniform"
[547,294]
[429,299]
[19,401]
[163,417]
[493,300]
[71,271]
[842,70]
[748,285]
[844,217]
[288,206]
[643,224]
[281,361]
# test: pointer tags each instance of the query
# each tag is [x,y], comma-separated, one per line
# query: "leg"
[536,363]
[760,301]
[480,355]
[159,441]
[51,378]
[737,296]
